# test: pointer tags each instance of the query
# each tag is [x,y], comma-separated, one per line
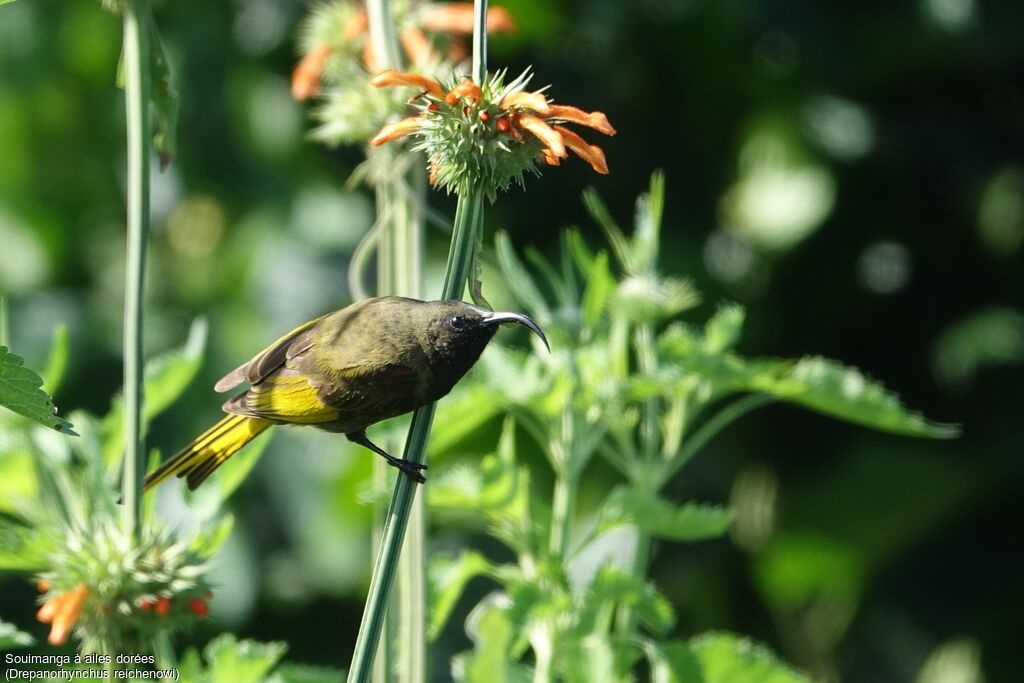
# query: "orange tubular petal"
[595,119]
[50,608]
[543,132]
[70,610]
[550,158]
[457,17]
[592,154]
[400,78]
[467,89]
[416,46]
[527,100]
[306,76]
[500,21]
[396,130]
[355,26]
[369,61]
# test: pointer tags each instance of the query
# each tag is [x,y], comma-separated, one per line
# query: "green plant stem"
[562,505]
[468,223]
[716,423]
[649,417]
[137,95]
[4,322]
[480,41]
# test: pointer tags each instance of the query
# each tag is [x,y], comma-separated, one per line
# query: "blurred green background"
[851,172]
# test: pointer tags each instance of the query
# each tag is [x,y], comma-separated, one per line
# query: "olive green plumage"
[343,372]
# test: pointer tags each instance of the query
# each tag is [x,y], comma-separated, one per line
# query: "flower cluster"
[494,132]
[114,594]
[338,54]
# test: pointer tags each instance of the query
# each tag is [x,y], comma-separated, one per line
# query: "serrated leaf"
[448,578]
[11,637]
[166,377]
[241,661]
[673,662]
[661,518]
[301,673]
[20,392]
[844,392]
[493,629]
[647,224]
[615,588]
[727,658]
[620,245]
[723,329]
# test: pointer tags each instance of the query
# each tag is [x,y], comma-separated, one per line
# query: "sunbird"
[343,372]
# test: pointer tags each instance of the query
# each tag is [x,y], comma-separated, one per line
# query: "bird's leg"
[407,467]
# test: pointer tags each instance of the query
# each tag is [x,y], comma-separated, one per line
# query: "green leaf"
[727,658]
[620,245]
[600,285]
[300,673]
[448,578]
[844,392]
[647,229]
[210,537]
[465,410]
[166,377]
[723,329]
[21,548]
[165,101]
[673,662]
[20,392]
[4,2]
[615,588]
[11,637]
[661,518]
[57,363]
[493,630]
[519,281]
[241,661]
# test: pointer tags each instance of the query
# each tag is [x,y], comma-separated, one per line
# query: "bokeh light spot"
[884,268]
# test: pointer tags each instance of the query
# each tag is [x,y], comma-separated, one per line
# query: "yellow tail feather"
[209,450]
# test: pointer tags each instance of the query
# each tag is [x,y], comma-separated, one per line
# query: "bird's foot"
[410,469]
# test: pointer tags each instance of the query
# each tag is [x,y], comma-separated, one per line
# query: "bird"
[344,371]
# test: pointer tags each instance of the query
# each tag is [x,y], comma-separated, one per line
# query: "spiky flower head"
[338,55]
[492,134]
[116,594]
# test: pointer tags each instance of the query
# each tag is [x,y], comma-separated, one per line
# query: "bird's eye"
[456,322]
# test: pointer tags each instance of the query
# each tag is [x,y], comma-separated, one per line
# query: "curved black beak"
[493,318]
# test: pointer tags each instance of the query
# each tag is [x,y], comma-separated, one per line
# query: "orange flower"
[306,77]
[517,112]
[62,612]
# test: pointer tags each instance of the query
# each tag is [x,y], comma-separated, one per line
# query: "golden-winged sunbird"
[343,372]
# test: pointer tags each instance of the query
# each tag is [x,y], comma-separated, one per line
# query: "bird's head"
[457,333]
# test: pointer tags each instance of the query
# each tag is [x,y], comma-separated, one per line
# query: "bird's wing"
[283,396]
[271,358]
[363,396]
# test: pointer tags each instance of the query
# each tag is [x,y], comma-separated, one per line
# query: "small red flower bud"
[432,106]
[466,110]
[43,585]
[485,116]
[503,125]
[146,604]
[198,607]
[163,605]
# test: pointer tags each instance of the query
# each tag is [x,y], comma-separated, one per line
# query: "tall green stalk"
[399,272]
[137,92]
[4,338]
[467,229]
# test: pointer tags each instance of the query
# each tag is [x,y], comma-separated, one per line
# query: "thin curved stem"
[137,85]
[712,427]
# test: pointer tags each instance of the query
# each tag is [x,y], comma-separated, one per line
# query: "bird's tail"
[209,450]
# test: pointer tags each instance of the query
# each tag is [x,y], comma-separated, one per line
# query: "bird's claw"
[411,469]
